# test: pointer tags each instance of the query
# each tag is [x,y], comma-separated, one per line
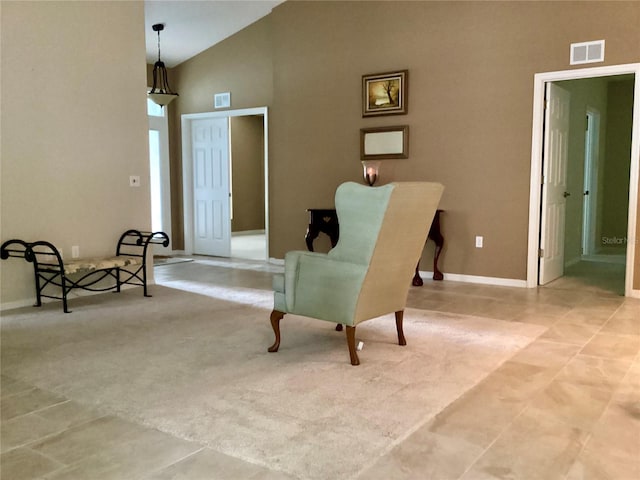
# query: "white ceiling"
[192,26]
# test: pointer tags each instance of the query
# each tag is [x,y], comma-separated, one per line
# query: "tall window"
[158,168]
[154,110]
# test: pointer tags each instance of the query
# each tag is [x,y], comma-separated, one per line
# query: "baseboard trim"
[16,304]
[572,262]
[601,258]
[247,232]
[494,281]
[70,296]
[456,277]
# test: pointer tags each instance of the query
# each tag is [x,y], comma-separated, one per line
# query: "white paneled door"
[211,187]
[554,184]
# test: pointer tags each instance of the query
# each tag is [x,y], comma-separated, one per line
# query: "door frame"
[540,79]
[187,168]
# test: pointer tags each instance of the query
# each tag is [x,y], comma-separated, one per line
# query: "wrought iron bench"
[127,267]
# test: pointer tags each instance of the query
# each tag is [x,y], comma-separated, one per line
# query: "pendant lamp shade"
[160,92]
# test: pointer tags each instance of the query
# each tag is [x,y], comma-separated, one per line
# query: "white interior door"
[211,204]
[554,184]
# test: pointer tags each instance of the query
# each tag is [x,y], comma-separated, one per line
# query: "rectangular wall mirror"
[384,142]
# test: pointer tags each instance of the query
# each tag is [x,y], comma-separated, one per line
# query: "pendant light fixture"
[160,92]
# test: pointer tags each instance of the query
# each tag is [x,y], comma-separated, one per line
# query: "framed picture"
[385,93]
[383,143]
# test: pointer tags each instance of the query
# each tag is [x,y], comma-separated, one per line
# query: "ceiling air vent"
[587,52]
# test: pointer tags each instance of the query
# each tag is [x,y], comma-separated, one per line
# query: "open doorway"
[595,191]
[246,139]
[216,152]
[599,196]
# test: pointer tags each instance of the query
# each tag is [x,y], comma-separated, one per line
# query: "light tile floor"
[250,245]
[565,407]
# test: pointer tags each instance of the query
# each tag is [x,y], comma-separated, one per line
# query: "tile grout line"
[158,470]
[528,403]
[430,417]
[609,402]
[28,444]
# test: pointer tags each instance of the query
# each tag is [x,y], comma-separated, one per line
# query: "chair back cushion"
[360,211]
[403,233]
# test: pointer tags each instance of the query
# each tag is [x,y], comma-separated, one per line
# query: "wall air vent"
[222,100]
[587,52]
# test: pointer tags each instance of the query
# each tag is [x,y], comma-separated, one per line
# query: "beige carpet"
[197,367]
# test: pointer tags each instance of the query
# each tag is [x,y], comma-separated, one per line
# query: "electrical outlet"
[479,241]
[134,180]
[75,251]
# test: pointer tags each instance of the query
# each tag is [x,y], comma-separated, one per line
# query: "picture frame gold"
[384,143]
[385,93]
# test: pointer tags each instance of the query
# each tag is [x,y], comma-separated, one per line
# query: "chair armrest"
[318,286]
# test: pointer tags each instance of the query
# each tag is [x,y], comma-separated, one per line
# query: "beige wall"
[243,66]
[74,128]
[617,165]
[471,67]
[247,161]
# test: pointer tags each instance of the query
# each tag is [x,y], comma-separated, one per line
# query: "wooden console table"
[326,221]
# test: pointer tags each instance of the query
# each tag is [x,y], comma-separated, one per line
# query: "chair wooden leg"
[276,316]
[399,317]
[351,342]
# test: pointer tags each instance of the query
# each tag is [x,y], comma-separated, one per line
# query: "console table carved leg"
[333,232]
[312,234]
[437,274]
[417,279]
[436,235]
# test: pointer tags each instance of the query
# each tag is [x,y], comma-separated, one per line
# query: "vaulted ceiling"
[192,26]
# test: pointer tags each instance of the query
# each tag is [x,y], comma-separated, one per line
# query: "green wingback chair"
[368,273]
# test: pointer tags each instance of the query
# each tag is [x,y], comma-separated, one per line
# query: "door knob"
[566,194]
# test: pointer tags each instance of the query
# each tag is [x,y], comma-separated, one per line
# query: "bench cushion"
[86,265]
